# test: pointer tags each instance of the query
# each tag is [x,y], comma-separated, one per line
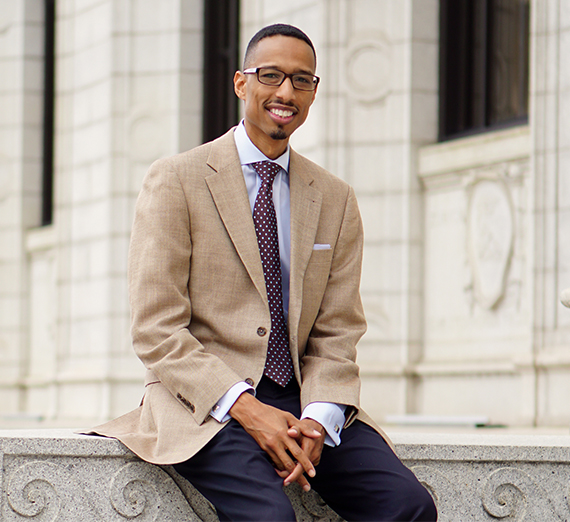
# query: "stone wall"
[462,304]
[57,476]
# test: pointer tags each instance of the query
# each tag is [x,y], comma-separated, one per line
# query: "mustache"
[290,105]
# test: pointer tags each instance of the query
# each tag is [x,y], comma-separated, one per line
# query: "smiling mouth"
[282,113]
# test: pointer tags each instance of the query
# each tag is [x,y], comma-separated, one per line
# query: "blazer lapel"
[305,210]
[228,190]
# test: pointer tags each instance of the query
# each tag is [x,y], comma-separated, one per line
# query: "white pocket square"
[318,246]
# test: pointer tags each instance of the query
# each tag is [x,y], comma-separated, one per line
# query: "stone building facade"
[466,240]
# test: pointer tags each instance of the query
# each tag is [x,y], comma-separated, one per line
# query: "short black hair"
[276,30]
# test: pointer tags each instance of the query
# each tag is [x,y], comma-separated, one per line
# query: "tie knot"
[267,170]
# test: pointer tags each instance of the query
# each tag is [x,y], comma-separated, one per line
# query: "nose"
[286,90]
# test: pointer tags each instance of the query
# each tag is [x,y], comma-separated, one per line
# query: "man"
[244,274]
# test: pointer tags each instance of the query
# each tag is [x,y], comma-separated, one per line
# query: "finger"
[283,459]
[308,431]
[302,427]
[301,457]
[313,448]
[293,432]
[297,476]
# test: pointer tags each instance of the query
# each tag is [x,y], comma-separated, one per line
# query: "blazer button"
[249,381]
[261,331]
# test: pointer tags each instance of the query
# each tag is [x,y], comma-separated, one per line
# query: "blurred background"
[448,117]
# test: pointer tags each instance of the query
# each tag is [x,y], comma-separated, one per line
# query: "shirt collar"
[249,153]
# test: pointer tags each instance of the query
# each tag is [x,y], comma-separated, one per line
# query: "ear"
[240,81]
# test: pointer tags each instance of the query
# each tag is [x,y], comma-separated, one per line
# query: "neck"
[272,148]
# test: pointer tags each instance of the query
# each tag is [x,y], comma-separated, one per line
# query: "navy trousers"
[361,479]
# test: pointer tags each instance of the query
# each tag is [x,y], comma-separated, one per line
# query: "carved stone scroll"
[138,492]
[47,492]
[512,494]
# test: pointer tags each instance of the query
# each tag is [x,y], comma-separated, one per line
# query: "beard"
[278,134]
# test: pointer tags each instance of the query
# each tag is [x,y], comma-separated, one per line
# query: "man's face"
[272,113]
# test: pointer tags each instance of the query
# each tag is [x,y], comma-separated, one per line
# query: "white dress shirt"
[329,415]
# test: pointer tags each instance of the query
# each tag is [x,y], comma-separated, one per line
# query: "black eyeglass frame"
[255,70]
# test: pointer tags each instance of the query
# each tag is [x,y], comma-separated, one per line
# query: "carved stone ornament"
[46,492]
[139,492]
[368,67]
[490,238]
[510,493]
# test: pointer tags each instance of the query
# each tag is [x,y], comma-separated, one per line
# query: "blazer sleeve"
[159,266]
[329,369]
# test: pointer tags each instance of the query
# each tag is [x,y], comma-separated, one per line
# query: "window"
[484,65]
[221,61]
[48,112]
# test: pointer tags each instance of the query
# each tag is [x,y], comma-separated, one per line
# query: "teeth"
[282,113]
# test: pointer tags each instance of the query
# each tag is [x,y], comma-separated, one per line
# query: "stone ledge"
[55,475]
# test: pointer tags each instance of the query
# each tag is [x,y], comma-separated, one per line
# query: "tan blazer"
[200,316]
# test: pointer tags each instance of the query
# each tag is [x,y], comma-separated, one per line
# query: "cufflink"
[216,408]
[336,428]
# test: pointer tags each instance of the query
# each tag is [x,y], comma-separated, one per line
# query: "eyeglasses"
[275,77]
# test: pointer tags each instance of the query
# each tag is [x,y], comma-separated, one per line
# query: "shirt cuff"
[330,416]
[222,407]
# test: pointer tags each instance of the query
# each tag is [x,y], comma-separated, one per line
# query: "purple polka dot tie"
[278,365]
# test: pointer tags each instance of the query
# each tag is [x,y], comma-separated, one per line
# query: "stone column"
[551,202]
[21,73]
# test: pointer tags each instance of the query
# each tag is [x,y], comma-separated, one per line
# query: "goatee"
[278,134]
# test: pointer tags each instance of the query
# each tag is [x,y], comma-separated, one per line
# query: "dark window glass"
[48,108]
[221,61]
[484,61]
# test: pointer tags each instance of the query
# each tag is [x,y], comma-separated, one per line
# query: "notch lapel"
[305,211]
[228,190]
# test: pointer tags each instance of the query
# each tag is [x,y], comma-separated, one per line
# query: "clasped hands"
[293,445]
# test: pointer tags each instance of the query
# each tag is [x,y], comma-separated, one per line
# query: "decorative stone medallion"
[368,66]
[490,238]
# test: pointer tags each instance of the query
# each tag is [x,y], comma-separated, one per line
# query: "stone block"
[191,51]
[425,20]
[151,17]
[382,216]
[92,26]
[191,15]
[425,58]
[91,65]
[388,19]
[422,126]
[378,167]
[382,267]
[564,19]
[152,53]
[563,115]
